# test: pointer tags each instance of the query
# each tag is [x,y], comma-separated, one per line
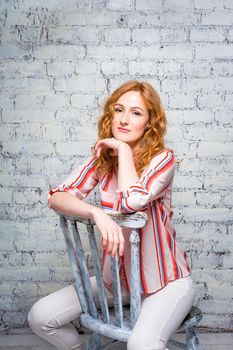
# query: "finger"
[121,242]
[115,244]
[99,150]
[110,242]
[104,239]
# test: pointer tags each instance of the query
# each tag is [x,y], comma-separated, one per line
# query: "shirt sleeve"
[80,182]
[152,184]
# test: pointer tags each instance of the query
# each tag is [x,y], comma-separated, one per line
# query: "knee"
[139,342]
[36,317]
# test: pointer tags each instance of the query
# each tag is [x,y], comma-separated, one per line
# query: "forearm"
[127,174]
[66,203]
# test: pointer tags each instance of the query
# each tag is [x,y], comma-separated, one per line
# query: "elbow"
[54,200]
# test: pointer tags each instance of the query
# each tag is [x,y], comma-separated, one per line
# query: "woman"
[134,171]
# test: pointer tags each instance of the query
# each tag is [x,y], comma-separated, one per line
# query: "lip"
[123,130]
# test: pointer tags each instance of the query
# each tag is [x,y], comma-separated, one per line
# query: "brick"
[182,101]
[207,199]
[87,66]
[168,18]
[11,51]
[31,148]
[181,5]
[117,36]
[221,291]
[25,274]
[58,52]
[224,68]
[180,199]
[189,117]
[174,35]
[82,100]
[227,4]
[78,133]
[223,116]
[187,182]
[5,195]
[25,5]
[67,148]
[46,288]
[174,131]
[117,52]
[113,67]
[25,164]
[171,85]
[32,180]
[223,84]
[60,69]
[25,69]
[207,35]
[208,133]
[48,259]
[6,101]
[211,101]
[96,18]
[29,196]
[140,68]
[26,84]
[179,52]
[86,116]
[169,69]
[7,132]
[148,35]
[121,5]
[88,83]
[214,149]
[62,274]
[220,306]
[31,132]
[56,165]
[143,20]
[38,17]
[218,182]
[214,51]
[206,5]
[150,5]
[228,199]
[198,84]
[223,18]
[64,35]
[197,69]
[213,214]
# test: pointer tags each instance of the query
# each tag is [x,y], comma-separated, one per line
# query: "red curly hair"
[152,141]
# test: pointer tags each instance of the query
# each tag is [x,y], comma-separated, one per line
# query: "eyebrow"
[133,107]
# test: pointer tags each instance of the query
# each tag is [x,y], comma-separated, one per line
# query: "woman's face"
[130,118]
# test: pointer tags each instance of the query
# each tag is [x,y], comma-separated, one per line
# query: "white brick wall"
[58,61]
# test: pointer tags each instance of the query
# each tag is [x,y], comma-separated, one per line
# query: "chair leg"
[192,340]
[94,342]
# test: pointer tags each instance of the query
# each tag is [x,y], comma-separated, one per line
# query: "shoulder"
[167,154]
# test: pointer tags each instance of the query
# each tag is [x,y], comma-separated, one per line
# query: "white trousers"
[161,314]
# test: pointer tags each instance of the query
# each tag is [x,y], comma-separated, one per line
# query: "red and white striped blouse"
[162,258]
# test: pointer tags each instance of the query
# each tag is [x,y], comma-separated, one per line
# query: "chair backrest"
[75,250]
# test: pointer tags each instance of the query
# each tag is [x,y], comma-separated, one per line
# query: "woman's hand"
[111,143]
[112,235]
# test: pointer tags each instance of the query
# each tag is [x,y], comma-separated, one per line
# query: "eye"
[137,113]
[117,110]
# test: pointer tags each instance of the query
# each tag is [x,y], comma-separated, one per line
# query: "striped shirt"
[162,258]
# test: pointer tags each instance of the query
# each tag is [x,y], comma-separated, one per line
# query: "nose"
[125,118]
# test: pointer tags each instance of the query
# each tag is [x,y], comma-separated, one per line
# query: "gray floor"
[209,341]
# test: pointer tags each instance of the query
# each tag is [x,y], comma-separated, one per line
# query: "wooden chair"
[114,323]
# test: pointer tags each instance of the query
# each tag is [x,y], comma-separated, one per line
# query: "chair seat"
[122,334]
[193,317]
